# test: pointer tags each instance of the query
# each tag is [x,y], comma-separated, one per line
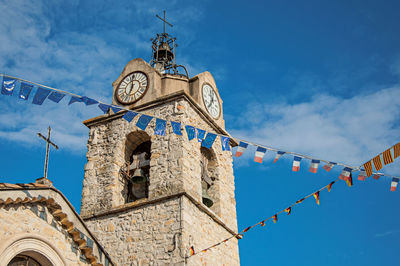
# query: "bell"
[206,199]
[138,177]
[164,52]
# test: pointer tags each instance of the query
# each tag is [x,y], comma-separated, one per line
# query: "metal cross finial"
[48,142]
[163,19]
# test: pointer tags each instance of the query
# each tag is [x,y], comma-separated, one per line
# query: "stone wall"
[34,223]
[135,237]
[174,168]
[146,235]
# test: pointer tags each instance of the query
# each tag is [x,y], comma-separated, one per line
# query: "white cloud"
[327,127]
[76,47]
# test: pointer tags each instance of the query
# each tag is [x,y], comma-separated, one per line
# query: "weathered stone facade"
[39,223]
[160,229]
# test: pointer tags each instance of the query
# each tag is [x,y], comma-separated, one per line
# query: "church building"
[147,199]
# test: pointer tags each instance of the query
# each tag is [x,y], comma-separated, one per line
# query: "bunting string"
[206,139]
[274,217]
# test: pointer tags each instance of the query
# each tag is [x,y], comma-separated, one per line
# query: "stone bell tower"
[148,197]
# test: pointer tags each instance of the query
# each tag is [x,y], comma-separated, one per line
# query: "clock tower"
[147,197]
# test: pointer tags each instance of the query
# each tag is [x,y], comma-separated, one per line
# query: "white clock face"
[132,87]
[211,101]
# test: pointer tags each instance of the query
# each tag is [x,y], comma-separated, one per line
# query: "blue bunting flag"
[104,107]
[143,121]
[225,143]
[200,134]
[191,132]
[209,140]
[160,127]
[24,91]
[56,96]
[129,116]
[89,101]
[40,96]
[176,128]
[8,86]
[115,109]
[75,99]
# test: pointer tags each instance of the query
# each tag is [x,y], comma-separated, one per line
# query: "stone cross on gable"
[48,142]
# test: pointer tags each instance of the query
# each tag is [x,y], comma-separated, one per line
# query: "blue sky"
[316,77]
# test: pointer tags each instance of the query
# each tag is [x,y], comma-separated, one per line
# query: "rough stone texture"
[36,221]
[174,168]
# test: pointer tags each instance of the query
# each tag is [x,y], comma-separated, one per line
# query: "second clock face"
[132,88]
[211,102]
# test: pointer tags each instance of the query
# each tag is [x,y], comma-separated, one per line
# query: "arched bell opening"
[209,179]
[137,166]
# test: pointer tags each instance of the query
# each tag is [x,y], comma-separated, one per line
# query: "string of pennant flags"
[207,139]
[274,218]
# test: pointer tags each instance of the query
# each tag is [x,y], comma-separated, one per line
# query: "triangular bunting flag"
[296,163]
[314,166]
[368,168]
[262,223]
[89,101]
[115,109]
[241,148]
[129,116]
[192,251]
[278,155]
[25,90]
[143,121]
[200,134]
[160,127]
[104,107]
[387,157]
[329,187]
[275,218]
[300,201]
[345,173]
[56,96]
[329,166]
[247,229]
[377,176]
[396,150]
[75,99]
[393,186]
[349,181]
[260,152]
[362,175]
[191,132]
[377,162]
[288,210]
[209,140]
[176,128]
[8,86]
[225,143]
[316,196]
[40,96]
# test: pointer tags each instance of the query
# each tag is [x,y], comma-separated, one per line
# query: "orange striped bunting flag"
[192,251]
[288,210]
[316,196]
[377,162]
[329,187]
[396,150]
[387,157]
[368,168]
